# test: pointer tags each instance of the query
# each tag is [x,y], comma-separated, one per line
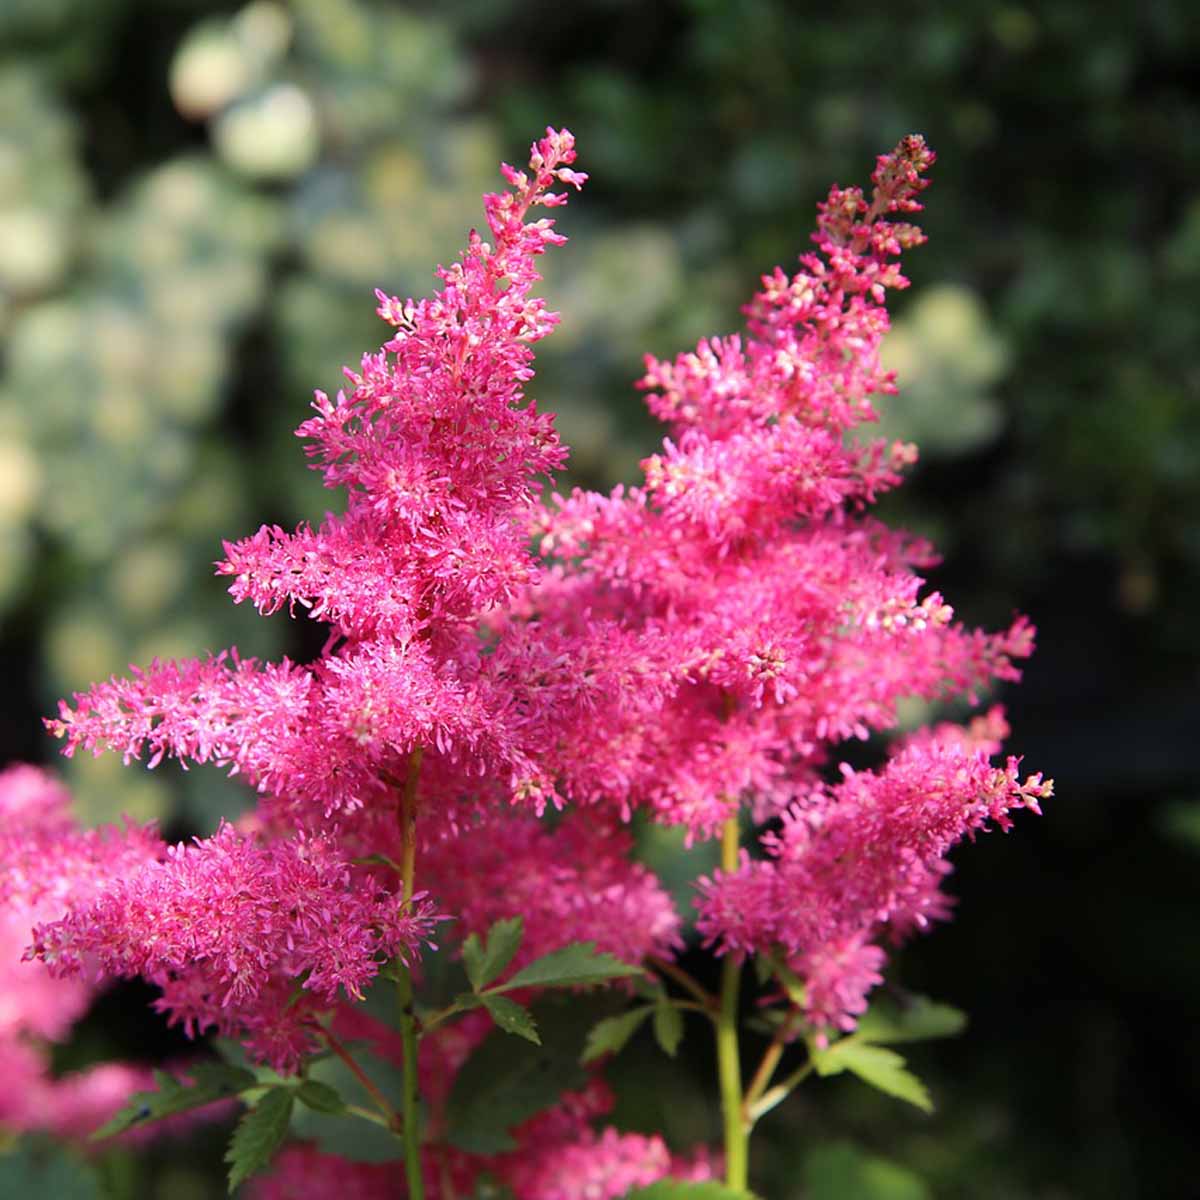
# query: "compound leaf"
[259,1134]
[210,1081]
[485,963]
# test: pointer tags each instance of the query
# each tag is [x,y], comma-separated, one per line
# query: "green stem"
[409,1105]
[390,1118]
[729,1068]
[366,1114]
[779,1092]
[404,991]
[408,824]
[767,1067]
[707,1002]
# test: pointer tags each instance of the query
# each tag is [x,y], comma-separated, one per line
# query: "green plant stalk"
[729,1067]
[410,1106]
[389,1115]
[408,825]
[778,1094]
[409,1100]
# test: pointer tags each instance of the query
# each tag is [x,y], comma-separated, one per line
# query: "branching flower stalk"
[696,649]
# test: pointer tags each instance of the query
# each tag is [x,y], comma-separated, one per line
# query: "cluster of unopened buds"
[509,680]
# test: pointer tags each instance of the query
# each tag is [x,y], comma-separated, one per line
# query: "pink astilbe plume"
[757,615]
[604,1166]
[290,912]
[434,444]
[689,651]
[571,882]
[440,455]
[740,613]
[865,859]
[45,862]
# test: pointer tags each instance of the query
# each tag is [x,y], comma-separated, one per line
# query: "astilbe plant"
[504,684]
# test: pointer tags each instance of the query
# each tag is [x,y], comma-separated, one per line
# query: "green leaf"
[486,963]
[259,1134]
[512,1017]
[506,1081]
[668,1025]
[917,1020]
[883,1069]
[571,966]
[840,1171]
[610,1035]
[210,1081]
[320,1097]
[677,1189]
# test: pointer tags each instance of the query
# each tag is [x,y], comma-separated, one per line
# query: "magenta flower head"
[695,650]
[439,455]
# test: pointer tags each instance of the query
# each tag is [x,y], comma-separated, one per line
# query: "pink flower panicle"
[435,444]
[865,858]
[439,453]
[571,883]
[604,1166]
[740,612]
[699,643]
[811,350]
[69,1106]
[46,862]
[290,910]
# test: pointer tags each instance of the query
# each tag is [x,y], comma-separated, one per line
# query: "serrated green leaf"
[678,1189]
[259,1134]
[486,963]
[512,1017]
[210,1081]
[668,1025]
[610,1035]
[882,1069]
[571,966]
[917,1020]
[506,1081]
[320,1097]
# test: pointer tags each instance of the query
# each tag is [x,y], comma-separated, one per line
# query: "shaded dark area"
[1060,480]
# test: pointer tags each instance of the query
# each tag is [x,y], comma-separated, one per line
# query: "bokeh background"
[196,200]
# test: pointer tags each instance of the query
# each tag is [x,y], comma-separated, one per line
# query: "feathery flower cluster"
[739,612]
[690,649]
[439,455]
[297,923]
[862,859]
[43,859]
[570,882]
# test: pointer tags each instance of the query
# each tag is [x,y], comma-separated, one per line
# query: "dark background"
[193,213]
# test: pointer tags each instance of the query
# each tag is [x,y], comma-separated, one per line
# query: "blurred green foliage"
[196,200]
